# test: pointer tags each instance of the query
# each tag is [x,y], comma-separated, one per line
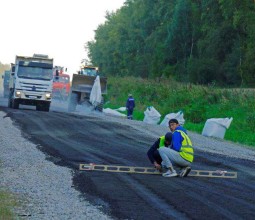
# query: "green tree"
[200,41]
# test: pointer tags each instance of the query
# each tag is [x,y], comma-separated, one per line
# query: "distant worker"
[153,152]
[130,105]
[181,152]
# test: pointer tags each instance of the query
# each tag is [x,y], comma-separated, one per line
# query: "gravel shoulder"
[45,190]
[201,143]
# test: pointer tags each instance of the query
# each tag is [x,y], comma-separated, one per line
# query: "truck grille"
[33,87]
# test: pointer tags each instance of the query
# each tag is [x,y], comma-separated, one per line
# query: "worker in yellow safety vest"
[181,152]
[153,153]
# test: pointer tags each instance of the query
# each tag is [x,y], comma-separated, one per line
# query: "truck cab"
[61,84]
[31,82]
[89,71]
[6,79]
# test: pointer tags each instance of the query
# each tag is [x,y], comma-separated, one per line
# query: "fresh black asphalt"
[69,139]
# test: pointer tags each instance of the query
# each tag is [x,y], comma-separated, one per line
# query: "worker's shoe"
[185,171]
[163,169]
[170,173]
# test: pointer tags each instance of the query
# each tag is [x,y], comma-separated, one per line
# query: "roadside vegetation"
[7,202]
[209,41]
[190,50]
[198,103]
[6,199]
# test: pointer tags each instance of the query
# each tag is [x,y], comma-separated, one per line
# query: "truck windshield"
[62,79]
[89,72]
[29,72]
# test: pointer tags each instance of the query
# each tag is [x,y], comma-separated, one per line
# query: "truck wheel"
[38,107]
[72,102]
[10,99]
[10,102]
[43,106]
[15,104]
[46,107]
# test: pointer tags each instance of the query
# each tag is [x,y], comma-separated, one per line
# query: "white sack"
[178,116]
[122,109]
[151,116]
[96,95]
[216,127]
[113,112]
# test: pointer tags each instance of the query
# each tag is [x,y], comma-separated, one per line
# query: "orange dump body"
[61,85]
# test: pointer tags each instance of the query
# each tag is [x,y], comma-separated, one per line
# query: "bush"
[196,113]
[250,120]
[198,103]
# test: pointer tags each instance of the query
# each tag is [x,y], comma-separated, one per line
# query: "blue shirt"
[130,103]
[177,139]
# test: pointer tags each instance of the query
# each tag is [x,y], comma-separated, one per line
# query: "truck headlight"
[48,95]
[18,94]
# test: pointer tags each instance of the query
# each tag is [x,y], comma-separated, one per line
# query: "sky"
[58,28]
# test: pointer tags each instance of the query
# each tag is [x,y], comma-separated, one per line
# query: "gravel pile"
[45,190]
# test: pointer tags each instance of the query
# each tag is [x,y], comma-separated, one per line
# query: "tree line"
[197,41]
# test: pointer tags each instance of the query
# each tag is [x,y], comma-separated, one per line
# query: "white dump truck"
[81,88]
[31,82]
[6,78]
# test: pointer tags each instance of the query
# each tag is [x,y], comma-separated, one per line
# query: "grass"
[198,103]
[6,203]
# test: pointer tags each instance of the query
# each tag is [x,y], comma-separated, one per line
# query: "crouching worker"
[153,153]
[181,152]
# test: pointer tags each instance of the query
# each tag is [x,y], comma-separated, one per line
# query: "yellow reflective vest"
[162,141]
[186,151]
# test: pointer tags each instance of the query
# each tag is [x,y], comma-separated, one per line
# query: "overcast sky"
[59,28]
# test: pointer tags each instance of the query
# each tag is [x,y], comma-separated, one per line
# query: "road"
[70,139]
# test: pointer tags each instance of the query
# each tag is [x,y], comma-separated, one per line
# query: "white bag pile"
[113,112]
[96,95]
[216,127]
[178,116]
[151,115]
[122,109]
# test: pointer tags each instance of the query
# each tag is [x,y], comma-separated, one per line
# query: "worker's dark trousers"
[130,113]
[157,157]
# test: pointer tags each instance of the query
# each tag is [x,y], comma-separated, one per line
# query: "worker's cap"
[129,94]
[168,136]
[173,120]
